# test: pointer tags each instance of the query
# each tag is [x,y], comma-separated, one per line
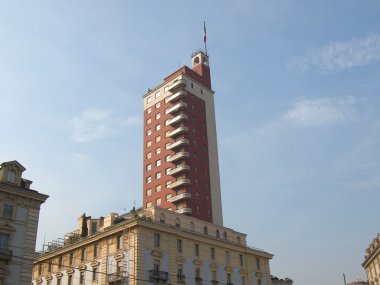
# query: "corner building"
[181,169]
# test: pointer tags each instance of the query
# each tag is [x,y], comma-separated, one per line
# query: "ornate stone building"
[152,246]
[371,262]
[19,213]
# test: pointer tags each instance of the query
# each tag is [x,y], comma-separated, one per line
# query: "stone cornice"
[22,192]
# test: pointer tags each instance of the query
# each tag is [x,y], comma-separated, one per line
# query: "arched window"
[217,234]
[196,60]
[177,223]
[205,230]
[224,235]
[191,226]
[11,176]
[162,218]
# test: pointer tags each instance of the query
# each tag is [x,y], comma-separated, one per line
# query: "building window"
[71,258]
[205,230]
[148,192]
[148,204]
[158,188]
[82,254]
[212,253]
[94,226]
[167,134]
[70,280]
[158,94]
[258,281]
[167,146]
[158,175]
[168,196]
[158,138]
[158,127]
[224,235]
[149,121]
[213,276]
[158,105]
[94,274]
[217,234]
[162,219]
[156,267]
[192,85]
[229,281]
[8,209]
[119,242]
[148,167]
[158,150]
[11,176]
[148,155]
[241,260]
[179,245]
[148,143]
[167,183]
[242,280]
[158,162]
[49,266]
[167,158]
[149,132]
[180,276]
[228,260]
[158,116]
[158,201]
[156,240]
[238,239]
[58,281]
[258,265]
[149,179]
[198,210]
[60,261]
[166,88]
[96,248]
[167,122]
[177,223]
[196,249]
[148,100]
[167,170]
[149,110]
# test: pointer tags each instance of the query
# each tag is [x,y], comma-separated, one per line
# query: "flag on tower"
[204,27]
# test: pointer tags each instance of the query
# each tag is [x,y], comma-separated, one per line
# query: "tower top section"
[200,64]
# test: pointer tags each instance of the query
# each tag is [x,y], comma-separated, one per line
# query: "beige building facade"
[371,262]
[151,246]
[19,208]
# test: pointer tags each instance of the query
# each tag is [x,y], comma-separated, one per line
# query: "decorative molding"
[39,280]
[259,274]
[48,277]
[243,272]
[180,259]
[119,255]
[228,268]
[214,266]
[198,262]
[156,253]
[70,271]
[95,263]
[58,275]
[82,267]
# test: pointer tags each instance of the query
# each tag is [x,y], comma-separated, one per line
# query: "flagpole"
[204,37]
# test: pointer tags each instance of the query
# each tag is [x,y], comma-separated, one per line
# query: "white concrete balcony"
[184,211]
[177,119]
[176,96]
[177,84]
[179,169]
[178,156]
[178,143]
[179,197]
[176,108]
[178,131]
[179,183]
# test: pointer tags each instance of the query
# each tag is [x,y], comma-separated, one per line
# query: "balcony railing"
[181,278]
[214,282]
[178,131]
[198,281]
[176,107]
[177,156]
[179,183]
[177,84]
[117,278]
[178,143]
[177,119]
[158,276]
[176,96]
[179,169]
[5,254]
[184,211]
[179,197]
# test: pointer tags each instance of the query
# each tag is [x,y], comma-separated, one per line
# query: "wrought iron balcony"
[158,276]
[179,197]
[177,84]
[214,282]
[176,107]
[179,169]
[181,278]
[184,211]
[178,131]
[117,278]
[177,119]
[178,156]
[178,143]
[198,281]
[176,96]
[5,254]
[178,183]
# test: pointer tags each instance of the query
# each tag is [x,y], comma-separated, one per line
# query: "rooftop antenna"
[204,36]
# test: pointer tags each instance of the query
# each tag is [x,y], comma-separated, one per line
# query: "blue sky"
[297,105]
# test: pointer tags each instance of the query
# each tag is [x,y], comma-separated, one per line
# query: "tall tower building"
[181,169]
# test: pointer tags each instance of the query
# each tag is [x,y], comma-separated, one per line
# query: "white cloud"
[341,55]
[93,124]
[318,112]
